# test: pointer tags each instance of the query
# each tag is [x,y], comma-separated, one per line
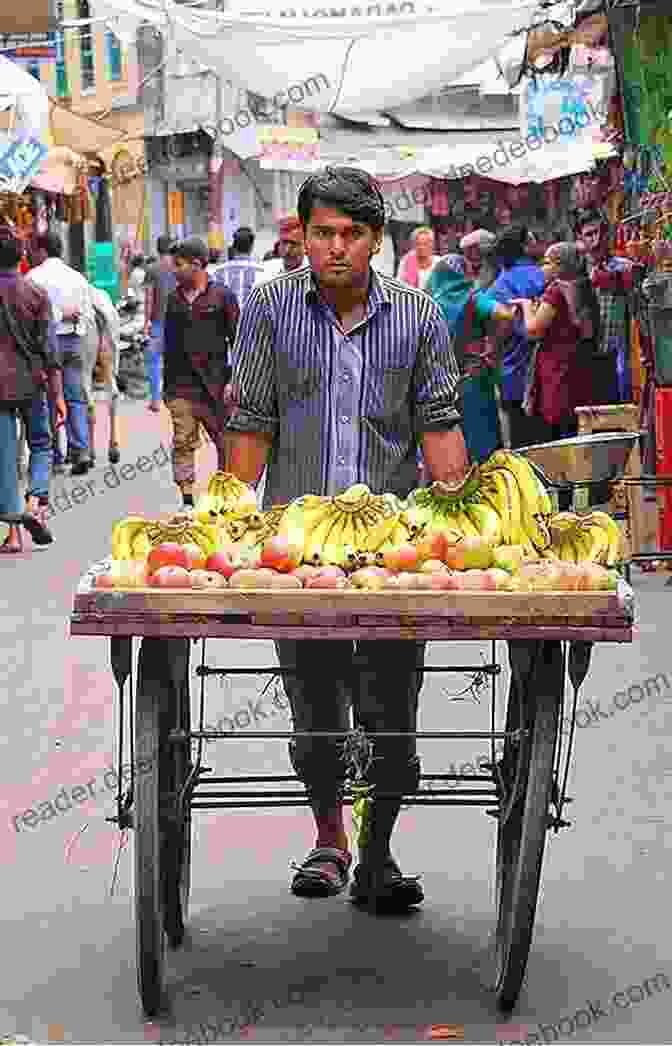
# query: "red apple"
[167,554]
[196,556]
[171,577]
[431,545]
[105,581]
[280,554]
[401,557]
[220,563]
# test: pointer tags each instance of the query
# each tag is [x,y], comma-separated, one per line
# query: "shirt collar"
[377,294]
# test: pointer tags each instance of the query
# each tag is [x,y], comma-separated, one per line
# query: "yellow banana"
[599,545]
[525,476]
[333,549]
[141,546]
[316,537]
[583,543]
[124,534]
[613,533]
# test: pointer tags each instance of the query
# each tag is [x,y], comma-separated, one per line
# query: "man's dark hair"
[11,249]
[214,255]
[51,243]
[137,261]
[164,244]
[345,189]
[510,245]
[587,216]
[243,240]
[193,249]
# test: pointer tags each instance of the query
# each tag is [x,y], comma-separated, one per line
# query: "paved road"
[312,971]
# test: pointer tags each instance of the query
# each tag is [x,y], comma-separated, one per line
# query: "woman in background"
[470,314]
[567,320]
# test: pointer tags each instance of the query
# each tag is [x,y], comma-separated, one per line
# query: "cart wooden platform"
[549,635]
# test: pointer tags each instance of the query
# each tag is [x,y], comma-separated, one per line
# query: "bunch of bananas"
[595,536]
[134,537]
[334,529]
[501,501]
[227,498]
[511,487]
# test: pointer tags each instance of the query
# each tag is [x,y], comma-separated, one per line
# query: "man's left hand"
[60,410]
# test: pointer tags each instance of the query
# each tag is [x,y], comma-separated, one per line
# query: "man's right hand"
[61,410]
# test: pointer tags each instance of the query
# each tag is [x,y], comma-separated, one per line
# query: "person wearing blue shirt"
[469,314]
[519,277]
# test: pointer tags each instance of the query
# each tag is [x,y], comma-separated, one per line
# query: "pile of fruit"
[496,531]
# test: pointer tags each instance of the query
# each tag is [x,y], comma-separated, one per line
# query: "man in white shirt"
[70,297]
[240,274]
[292,250]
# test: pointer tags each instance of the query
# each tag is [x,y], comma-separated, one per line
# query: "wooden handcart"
[549,636]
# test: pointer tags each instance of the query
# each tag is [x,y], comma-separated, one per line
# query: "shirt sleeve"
[253,381]
[436,377]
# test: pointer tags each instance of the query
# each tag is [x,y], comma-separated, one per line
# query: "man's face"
[424,244]
[339,248]
[292,249]
[591,236]
[186,270]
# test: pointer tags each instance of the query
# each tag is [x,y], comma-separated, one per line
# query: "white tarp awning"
[343,60]
[25,101]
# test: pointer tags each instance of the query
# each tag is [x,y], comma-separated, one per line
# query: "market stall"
[488,560]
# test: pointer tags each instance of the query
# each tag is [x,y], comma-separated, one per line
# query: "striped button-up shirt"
[343,408]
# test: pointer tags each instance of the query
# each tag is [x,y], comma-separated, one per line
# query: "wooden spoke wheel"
[162,835]
[527,770]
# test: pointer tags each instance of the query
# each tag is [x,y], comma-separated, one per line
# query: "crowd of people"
[316,371]
[533,337]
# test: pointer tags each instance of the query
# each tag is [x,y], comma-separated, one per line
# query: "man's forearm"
[249,455]
[445,455]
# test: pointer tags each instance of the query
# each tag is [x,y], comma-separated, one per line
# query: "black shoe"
[58,470]
[113,455]
[81,467]
[395,894]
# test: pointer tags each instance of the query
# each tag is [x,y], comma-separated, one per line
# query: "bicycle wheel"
[149,938]
[162,837]
[176,866]
[527,769]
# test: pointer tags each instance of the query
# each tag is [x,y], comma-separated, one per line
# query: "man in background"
[200,326]
[612,280]
[416,266]
[159,283]
[241,272]
[291,250]
[69,294]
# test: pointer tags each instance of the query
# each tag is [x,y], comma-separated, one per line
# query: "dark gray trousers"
[380,681]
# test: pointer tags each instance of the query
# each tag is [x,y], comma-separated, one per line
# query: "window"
[113,55]
[87,57]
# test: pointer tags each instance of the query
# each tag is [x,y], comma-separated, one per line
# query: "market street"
[297,970]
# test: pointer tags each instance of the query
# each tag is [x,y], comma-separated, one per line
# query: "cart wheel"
[176,865]
[527,768]
[148,916]
[162,838]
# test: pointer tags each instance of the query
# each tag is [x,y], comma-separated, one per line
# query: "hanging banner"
[326,59]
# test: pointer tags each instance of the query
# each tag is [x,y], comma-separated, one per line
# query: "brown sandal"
[314,882]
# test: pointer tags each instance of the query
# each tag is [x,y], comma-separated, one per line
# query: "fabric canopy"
[79,132]
[340,60]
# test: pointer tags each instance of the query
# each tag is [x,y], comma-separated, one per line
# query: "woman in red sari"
[566,322]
